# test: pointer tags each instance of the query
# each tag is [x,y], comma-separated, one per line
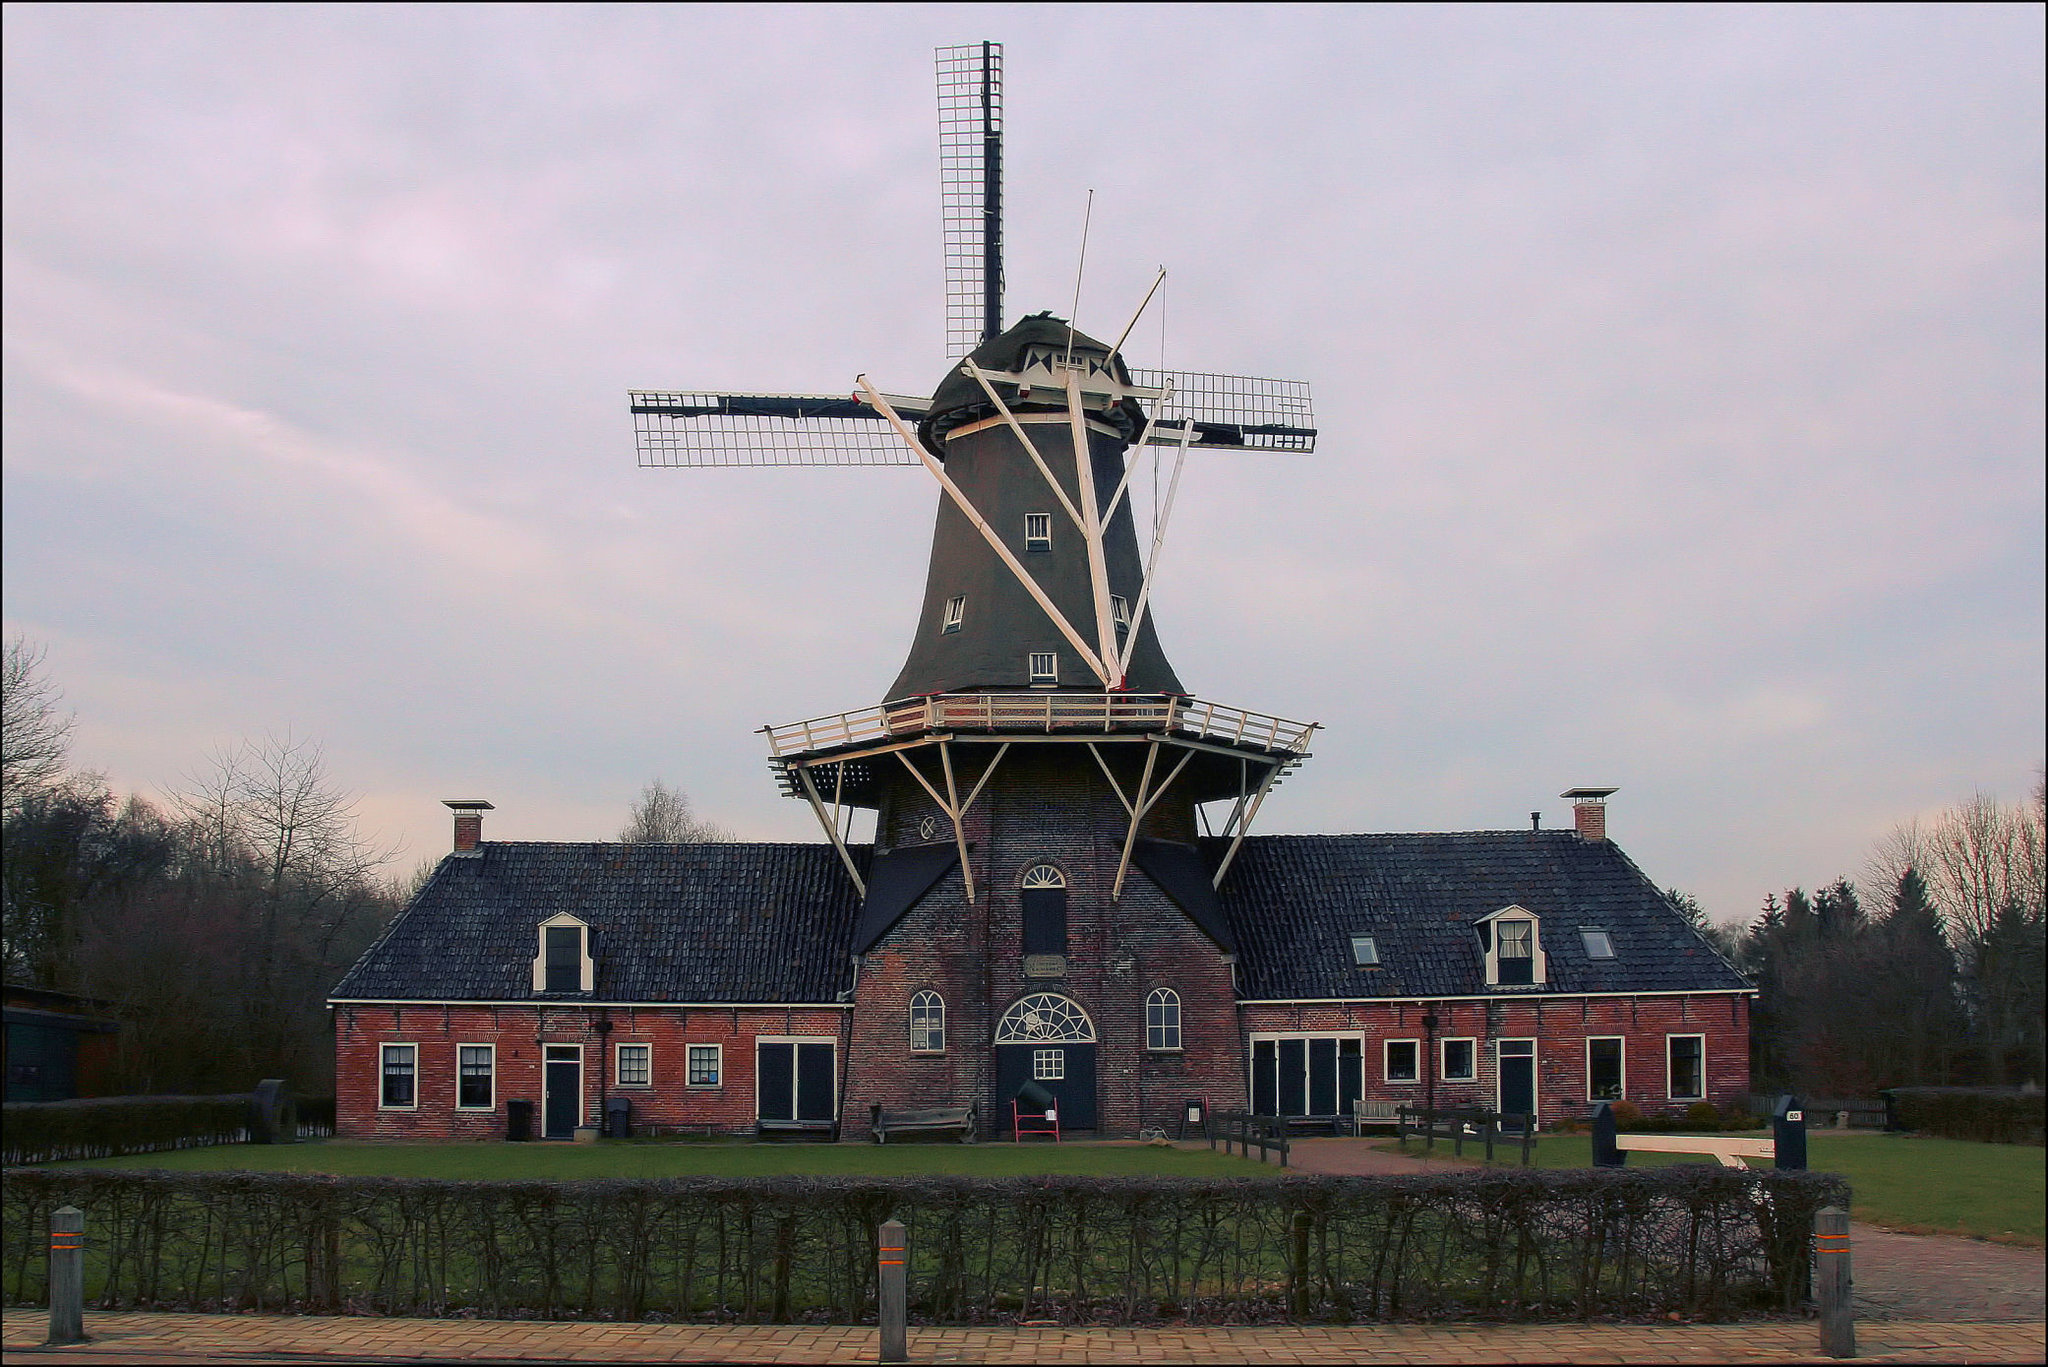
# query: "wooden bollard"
[67,1275]
[894,1287]
[1298,1301]
[1833,1286]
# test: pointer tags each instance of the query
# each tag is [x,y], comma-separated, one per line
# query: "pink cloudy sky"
[1679,372]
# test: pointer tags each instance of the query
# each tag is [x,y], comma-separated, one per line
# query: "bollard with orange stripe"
[893,1285]
[67,1275]
[1833,1288]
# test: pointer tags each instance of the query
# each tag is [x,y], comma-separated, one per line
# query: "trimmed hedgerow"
[110,1126]
[1514,1244]
[1992,1115]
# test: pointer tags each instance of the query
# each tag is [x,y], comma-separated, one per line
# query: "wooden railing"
[1263,1132]
[1048,713]
[1462,1123]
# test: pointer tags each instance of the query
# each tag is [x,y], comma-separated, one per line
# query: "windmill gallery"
[1040,910]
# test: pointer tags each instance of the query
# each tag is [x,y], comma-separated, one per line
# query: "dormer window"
[956,612]
[1120,612]
[1599,944]
[1045,667]
[1511,944]
[564,963]
[1038,531]
[1365,951]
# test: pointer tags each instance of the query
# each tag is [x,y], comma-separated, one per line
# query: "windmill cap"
[959,398]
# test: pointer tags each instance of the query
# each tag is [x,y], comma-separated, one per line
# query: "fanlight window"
[1044,876]
[1162,1019]
[1045,1018]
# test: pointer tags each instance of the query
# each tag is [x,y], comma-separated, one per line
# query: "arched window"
[927,1023]
[1162,1019]
[1044,894]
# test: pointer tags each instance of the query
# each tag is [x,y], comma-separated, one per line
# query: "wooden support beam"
[832,830]
[1245,825]
[1145,804]
[1098,563]
[955,811]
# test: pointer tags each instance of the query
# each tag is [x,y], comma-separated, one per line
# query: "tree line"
[1928,973]
[215,921]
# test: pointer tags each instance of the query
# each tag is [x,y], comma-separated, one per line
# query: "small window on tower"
[1120,612]
[1365,951]
[956,610]
[1045,667]
[1038,531]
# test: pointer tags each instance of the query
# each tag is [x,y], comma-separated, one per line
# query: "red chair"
[1034,1111]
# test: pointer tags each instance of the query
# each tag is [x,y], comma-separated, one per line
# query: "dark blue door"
[563,1109]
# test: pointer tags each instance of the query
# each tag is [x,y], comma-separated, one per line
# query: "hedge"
[1992,1115]
[1516,1244]
[110,1126]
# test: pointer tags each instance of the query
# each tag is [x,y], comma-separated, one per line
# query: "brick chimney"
[1589,811]
[469,822]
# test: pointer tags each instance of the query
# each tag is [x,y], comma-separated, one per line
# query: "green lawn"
[499,1162]
[1948,1186]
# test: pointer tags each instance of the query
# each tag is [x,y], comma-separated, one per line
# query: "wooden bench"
[959,1120]
[1730,1151]
[1365,1113]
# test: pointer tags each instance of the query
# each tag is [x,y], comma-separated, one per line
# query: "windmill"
[1033,635]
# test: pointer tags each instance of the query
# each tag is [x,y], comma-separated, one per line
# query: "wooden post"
[1492,1133]
[1298,1266]
[1832,1284]
[893,1289]
[1528,1138]
[67,1275]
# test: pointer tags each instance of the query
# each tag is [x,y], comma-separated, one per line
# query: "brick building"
[1039,903]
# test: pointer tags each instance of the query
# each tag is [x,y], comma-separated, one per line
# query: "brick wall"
[1046,804]
[1559,1025]
[519,1033]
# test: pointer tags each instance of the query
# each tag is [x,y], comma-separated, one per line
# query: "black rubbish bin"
[519,1121]
[618,1117]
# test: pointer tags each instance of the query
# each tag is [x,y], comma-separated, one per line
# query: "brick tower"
[1035,907]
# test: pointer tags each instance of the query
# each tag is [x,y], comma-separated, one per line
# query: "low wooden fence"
[1459,1124]
[1266,1133]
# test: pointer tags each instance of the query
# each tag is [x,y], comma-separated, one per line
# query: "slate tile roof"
[686,923]
[1295,900]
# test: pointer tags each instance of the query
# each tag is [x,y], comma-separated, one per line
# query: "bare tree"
[34,736]
[662,815]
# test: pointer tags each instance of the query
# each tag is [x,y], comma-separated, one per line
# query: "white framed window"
[927,1023]
[476,1067]
[1048,1065]
[398,1073]
[1457,1059]
[1599,944]
[563,963]
[634,1065]
[1045,667]
[1606,1068]
[956,612]
[1403,1060]
[706,1065]
[1365,951]
[1038,531]
[1687,1056]
[1120,612]
[1162,1019]
[1511,943]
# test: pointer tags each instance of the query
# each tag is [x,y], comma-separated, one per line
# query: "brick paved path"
[242,1339]
[1898,1276]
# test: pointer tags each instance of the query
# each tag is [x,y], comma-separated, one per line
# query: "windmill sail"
[971,191]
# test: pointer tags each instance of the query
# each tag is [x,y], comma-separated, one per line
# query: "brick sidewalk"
[151,1338]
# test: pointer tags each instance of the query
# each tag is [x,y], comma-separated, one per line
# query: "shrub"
[1992,1115]
[1703,1115]
[108,1126]
[1514,1244]
[1627,1113]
